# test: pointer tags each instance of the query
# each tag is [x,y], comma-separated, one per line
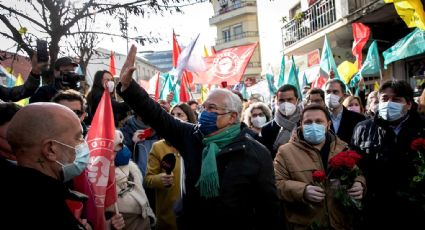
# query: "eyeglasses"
[78,112]
[210,107]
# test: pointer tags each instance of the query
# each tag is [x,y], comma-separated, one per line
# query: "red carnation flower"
[319,176]
[418,144]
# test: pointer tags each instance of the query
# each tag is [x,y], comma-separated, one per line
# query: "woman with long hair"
[104,79]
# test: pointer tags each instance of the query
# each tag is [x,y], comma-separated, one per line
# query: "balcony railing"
[237,37]
[320,15]
[234,6]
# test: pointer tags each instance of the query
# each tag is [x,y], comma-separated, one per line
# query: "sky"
[194,20]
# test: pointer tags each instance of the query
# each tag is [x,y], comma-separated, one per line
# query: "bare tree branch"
[23,16]
[16,35]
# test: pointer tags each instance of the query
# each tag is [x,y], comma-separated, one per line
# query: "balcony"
[236,9]
[319,16]
[247,34]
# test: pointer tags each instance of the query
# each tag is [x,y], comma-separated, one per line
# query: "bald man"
[44,137]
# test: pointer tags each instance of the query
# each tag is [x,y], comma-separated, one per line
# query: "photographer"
[64,78]
[28,88]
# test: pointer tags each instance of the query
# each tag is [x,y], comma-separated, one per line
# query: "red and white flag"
[361,35]
[227,65]
[98,179]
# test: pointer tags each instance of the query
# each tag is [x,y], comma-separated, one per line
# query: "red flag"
[361,35]
[157,87]
[176,50]
[184,95]
[213,52]
[112,64]
[226,65]
[319,82]
[98,179]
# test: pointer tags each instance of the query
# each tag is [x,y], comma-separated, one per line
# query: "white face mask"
[332,101]
[287,109]
[354,108]
[258,122]
[111,86]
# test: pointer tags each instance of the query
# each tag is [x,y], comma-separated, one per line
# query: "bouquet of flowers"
[342,173]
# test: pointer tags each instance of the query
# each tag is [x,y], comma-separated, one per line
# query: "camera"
[71,79]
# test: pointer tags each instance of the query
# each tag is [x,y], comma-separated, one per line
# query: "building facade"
[308,21]
[237,25]
[163,60]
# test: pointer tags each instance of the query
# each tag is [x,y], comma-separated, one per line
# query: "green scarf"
[208,181]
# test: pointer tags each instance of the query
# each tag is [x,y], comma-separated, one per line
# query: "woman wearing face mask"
[310,150]
[256,116]
[104,79]
[132,201]
[354,104]
[167,186]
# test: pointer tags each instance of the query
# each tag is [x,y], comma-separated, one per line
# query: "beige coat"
[294,164]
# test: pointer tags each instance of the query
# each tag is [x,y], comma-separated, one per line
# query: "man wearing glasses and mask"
[229,176]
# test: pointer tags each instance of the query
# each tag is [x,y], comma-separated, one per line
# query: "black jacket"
[248,198]
[388,167]
[349,120]
[33,200]
[268,136]
[20,92]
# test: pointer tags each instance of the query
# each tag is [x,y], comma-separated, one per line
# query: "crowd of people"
[239,164]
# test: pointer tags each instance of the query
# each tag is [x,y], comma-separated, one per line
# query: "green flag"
[293,77]
[411,45]
[305,82]
[282,73]
[327,61]
[270,83]
[243,92]
[371,65]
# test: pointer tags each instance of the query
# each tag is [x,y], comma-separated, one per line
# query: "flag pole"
[380,74]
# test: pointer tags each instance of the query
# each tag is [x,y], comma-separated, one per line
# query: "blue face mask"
[207,122]
[314,133]
[82,155]
[123,156]
[390,111]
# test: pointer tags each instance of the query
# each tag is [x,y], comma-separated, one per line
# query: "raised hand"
[126,74]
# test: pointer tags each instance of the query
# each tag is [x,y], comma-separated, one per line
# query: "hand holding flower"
[356,191]
[314,193]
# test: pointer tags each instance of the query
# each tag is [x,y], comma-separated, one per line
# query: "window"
[226,35]
[236,4]
[237,31]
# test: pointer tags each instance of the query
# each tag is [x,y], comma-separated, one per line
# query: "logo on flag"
[226,65]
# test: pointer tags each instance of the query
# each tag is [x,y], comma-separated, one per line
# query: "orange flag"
[226,65]
[112,64]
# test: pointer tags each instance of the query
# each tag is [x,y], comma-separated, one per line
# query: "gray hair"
[232,102]
[257,105]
